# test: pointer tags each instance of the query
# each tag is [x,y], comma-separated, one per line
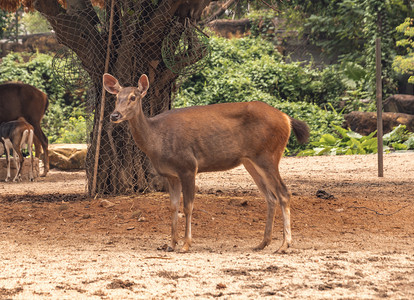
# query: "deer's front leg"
[174,186]
[18,159]
[188,185]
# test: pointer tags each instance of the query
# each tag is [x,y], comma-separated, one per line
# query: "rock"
[68,156]
[324,195]
[400,103]
[63,206]
[41,42]
[106,204]
[231,28]
[136,215]
[366,122]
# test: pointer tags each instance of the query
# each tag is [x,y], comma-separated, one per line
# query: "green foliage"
[74,132]
[349,28]
[405,63]
[348,142]
[399,139]
[343,142]
[242,69]
[358,93]
[5,18]
[378,24]
[262,23]
[34,22]
[337,28]
[35,69]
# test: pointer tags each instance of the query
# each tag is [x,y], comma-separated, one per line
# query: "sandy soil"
[55,243]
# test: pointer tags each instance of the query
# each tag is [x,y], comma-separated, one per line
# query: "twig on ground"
[378,213]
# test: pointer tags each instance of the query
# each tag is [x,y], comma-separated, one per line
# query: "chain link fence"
[144,39]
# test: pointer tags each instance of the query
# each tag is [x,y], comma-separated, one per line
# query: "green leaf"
[321,151]
[328,139]
[354,135]
[307,152]
[410,142]
[398,146]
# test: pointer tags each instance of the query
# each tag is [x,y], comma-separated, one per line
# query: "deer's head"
[128,99]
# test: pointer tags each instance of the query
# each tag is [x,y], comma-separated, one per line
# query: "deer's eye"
[132,98]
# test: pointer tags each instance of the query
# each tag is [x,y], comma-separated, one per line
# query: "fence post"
[101,115]
[379,107]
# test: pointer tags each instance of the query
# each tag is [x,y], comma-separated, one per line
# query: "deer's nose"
[115,116]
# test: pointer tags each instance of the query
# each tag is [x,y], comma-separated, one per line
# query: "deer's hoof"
[185,249]
[283,249]
[261,246]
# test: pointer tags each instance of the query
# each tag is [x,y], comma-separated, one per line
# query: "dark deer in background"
[14,136]
[183,142]
[23,100]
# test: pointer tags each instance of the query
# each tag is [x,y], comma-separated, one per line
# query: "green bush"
[348,142]
[237,67]
[399,139]
[74,132]
[404,64]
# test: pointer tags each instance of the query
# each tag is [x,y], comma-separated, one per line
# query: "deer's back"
[219,136]
[22,100]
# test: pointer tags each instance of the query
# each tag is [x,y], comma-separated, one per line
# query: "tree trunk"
[138,33]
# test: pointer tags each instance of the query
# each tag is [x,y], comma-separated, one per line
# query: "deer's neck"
[141,131]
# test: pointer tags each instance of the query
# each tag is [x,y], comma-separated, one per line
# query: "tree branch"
[76,31]
[219,12]
[48,7]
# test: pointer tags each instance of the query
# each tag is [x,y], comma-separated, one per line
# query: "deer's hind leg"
[174,186]
[40,138]
[188,185]
[266,175]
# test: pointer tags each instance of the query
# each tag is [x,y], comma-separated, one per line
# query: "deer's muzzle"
[115,116]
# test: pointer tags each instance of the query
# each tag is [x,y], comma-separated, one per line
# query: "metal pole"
[101,115]
[379,107]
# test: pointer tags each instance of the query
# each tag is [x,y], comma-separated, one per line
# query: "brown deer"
[23,100]
[183,142]
[14,136]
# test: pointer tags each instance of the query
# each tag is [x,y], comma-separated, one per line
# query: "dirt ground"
[354,239]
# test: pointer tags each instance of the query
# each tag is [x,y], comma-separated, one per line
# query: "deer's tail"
[300,129]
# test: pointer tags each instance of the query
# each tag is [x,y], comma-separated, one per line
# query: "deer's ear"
[111,84]
[143,84]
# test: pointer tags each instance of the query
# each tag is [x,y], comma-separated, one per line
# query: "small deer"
[15,135]
[183,142]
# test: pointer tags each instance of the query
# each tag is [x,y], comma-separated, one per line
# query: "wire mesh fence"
[146,39]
